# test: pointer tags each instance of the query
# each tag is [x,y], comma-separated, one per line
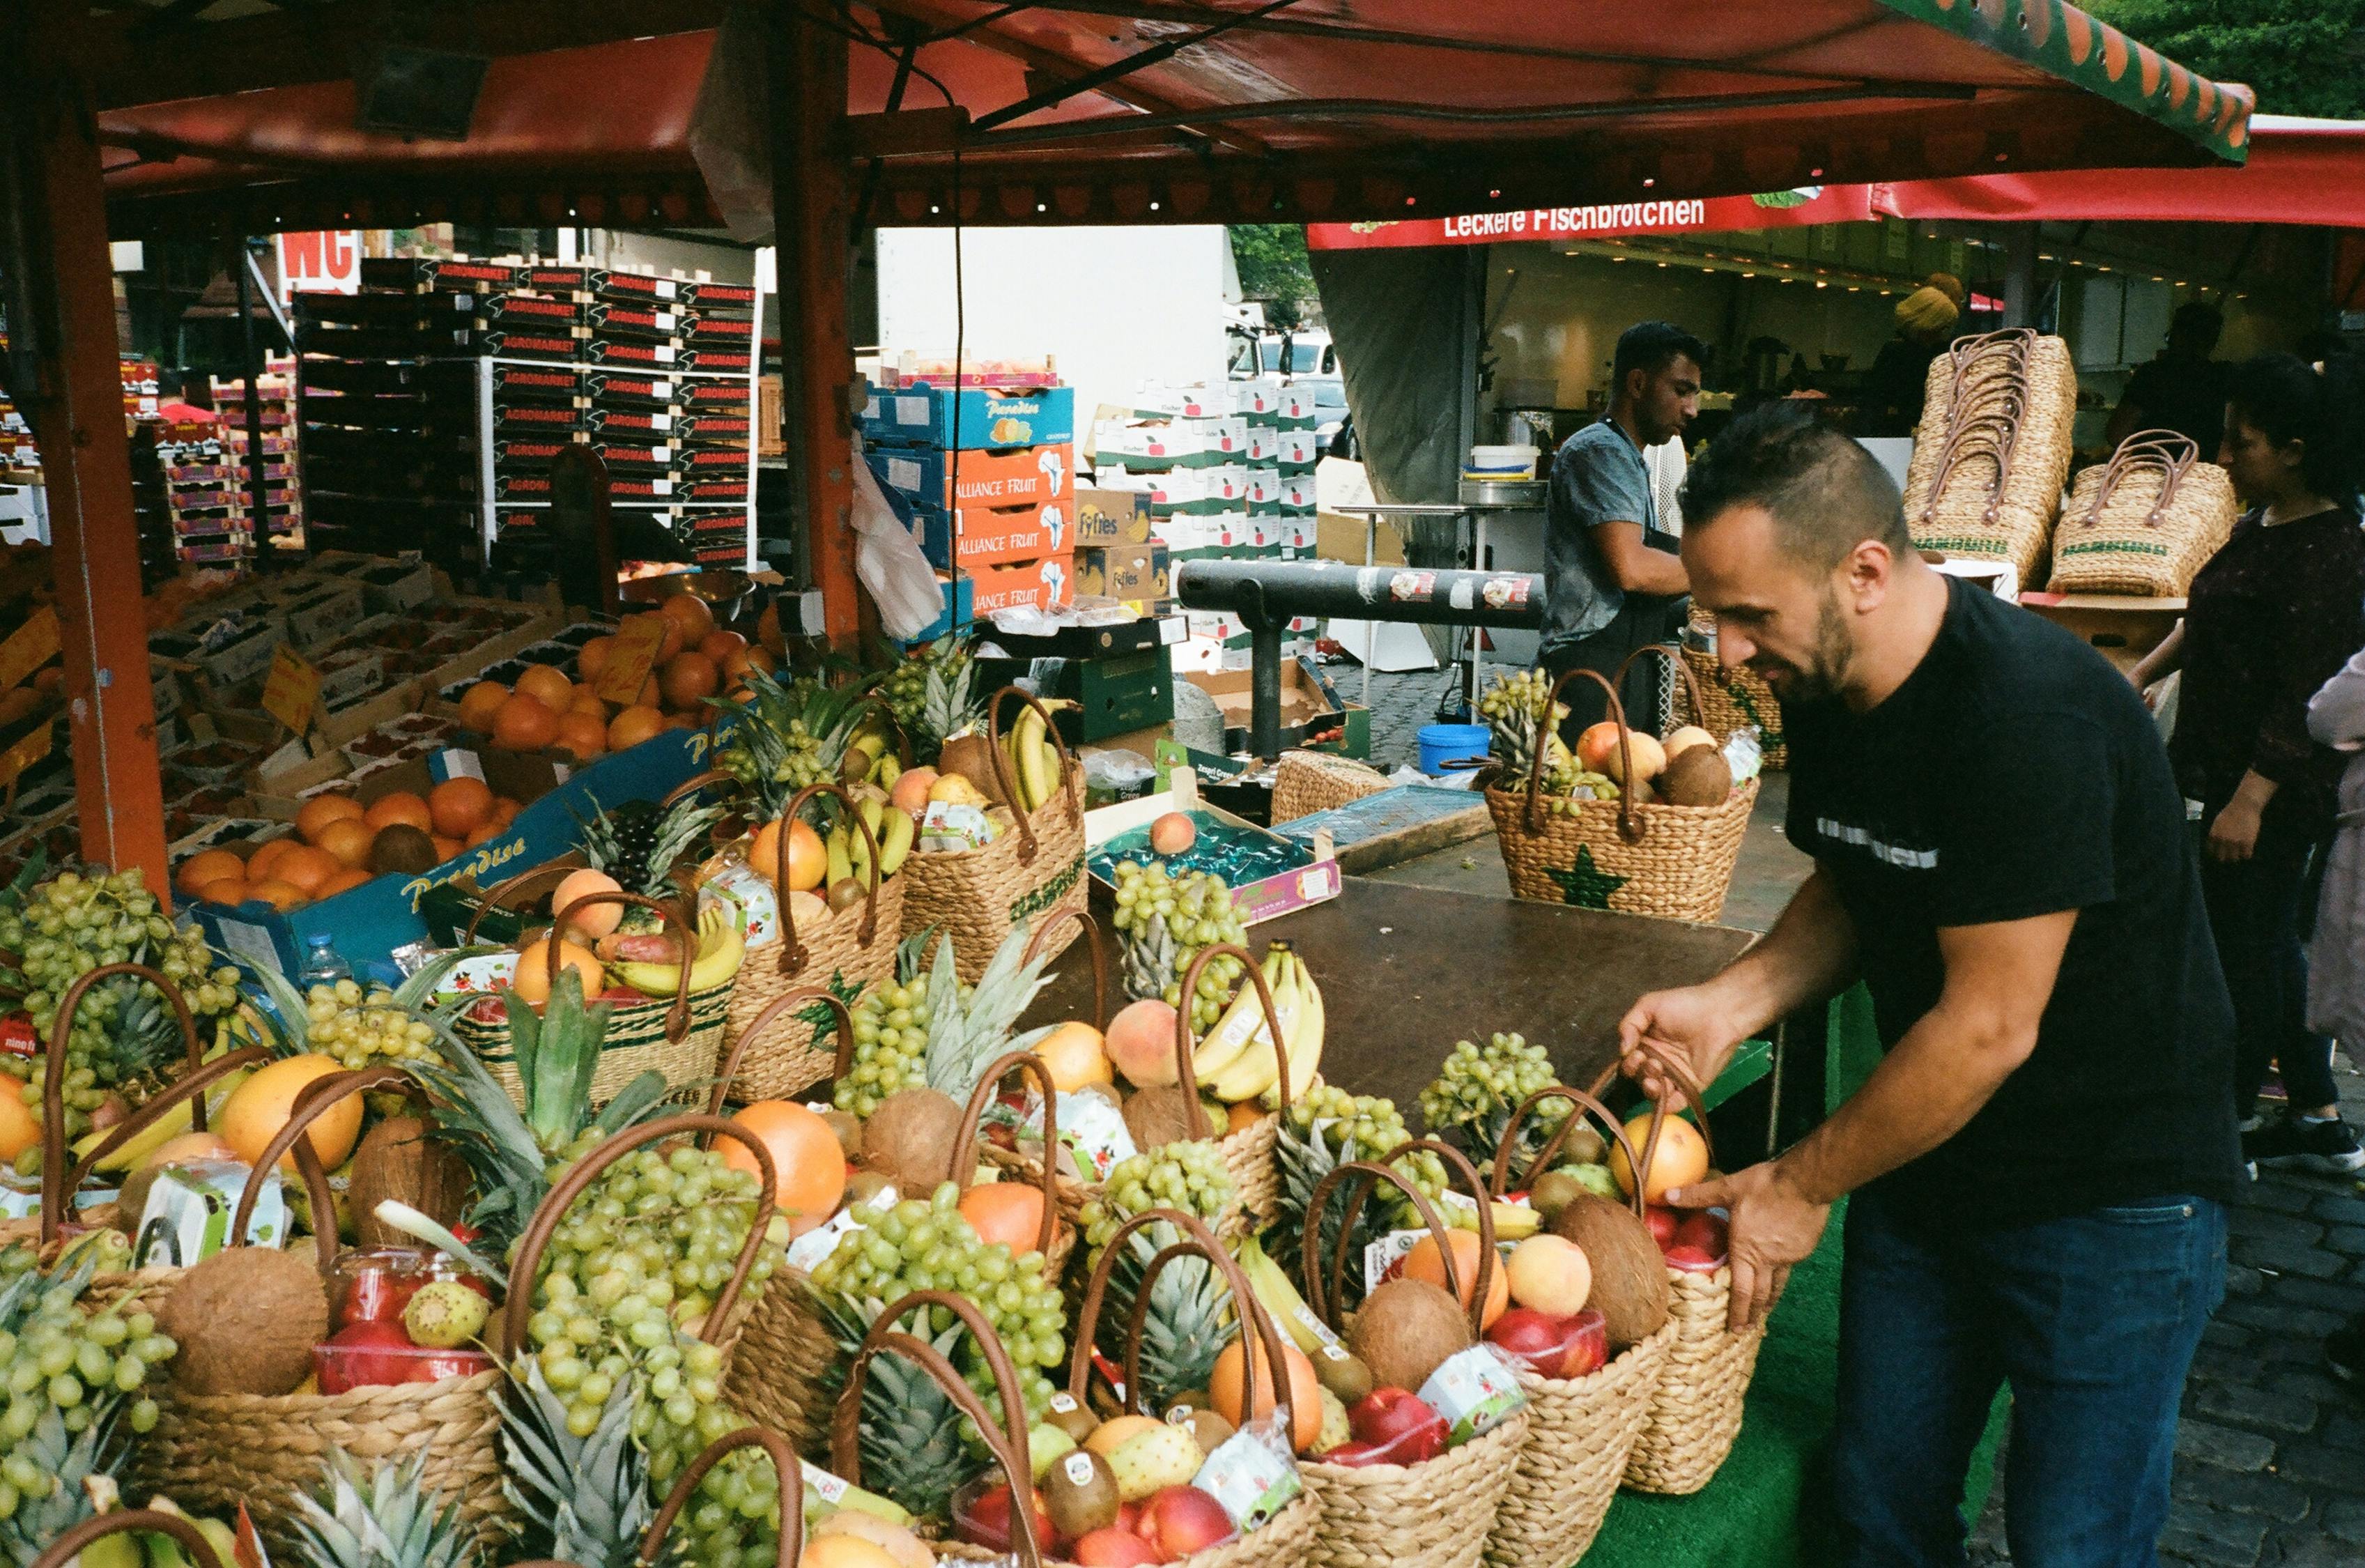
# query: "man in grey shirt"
[1613,582]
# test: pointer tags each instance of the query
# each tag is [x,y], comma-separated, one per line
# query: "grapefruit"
[279,895]
[314,816]
[690,612]
[208,866]
[721,646]
[348,840]
[594,657]
[230,891]
[1425,1262]
[689,679]
[808,1162]
[808,858]
[480,702]
[1008,1212]
[524,725]
[582,736]
[306,868]
[19,1129]
[1073,1053]
[259,1107]
[546,684]
[632,725]
[457,805]
[344,881]
[400,806]
[532,981]
[1226,1394]
[1680,1159]
[259,864]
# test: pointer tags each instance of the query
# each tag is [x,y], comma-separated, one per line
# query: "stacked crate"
[988,468]
[276,406]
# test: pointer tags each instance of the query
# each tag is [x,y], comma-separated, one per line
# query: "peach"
[1683,739]
[1172,834]
[1550,1274]
[1141,1043]
[910,792]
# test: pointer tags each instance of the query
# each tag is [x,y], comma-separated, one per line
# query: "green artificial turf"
[1769,1505]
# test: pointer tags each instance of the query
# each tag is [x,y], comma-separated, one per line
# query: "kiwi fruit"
[1207,1429]
[1697,776]
[401,847]
[1343,1374]
[1080,1494]
[246,1320]
[844,893]
[1629,1276]
[1584,1145]
[849,1128]
[1551,1192]
[910,1137]
[1405,1331]
[1070,1417]
[863,1187]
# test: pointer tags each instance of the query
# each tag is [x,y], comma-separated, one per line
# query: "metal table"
[1407,971]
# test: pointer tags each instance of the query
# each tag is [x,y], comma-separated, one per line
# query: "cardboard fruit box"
[1312,877]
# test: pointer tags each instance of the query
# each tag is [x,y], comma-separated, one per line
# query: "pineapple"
[1328,1128]
[381,1517]
[788,734]
[1514,711]
[914,1447]
[953,1031]
[640,844]
[931,694]
[586,1498]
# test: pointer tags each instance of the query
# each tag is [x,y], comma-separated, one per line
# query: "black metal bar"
[257,499]
[1264,688]
[907,34]
[1118,70]
[1255,589]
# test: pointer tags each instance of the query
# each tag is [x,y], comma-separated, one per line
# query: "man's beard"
[1825,675]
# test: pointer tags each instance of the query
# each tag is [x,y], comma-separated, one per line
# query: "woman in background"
[1899,376]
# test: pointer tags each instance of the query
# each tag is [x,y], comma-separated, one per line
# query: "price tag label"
[631,660]
[28,648]
[292,691]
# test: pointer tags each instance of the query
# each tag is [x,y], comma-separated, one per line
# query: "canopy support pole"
[812,181]
[76,404]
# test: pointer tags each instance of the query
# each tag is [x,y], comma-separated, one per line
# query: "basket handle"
[312,1102]
[53,1081]
[1629,827]
[1369,1174]
[792,949]
[1091,932]
[671,913]
[1197,1241]
[964,1164]
[191,1087]
[98,1527]
[794,1001]
[712,777]
[519,1307]
[523,885]
[1498,1181]
[2172,451]
[1184,1045]
[1686,1085]
[792,1542]
[1071,776]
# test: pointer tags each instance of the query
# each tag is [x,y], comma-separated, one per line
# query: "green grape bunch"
[629,1277]
[70,1366]
[1190,1176]
[1163,919]
[1366,1126]
[124,1033]
[1475,1092]
[366,1028]
[891,1045]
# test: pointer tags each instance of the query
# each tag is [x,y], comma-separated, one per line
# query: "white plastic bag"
[889,561]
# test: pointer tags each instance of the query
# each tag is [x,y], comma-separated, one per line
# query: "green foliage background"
[1273,270]
[2303,57]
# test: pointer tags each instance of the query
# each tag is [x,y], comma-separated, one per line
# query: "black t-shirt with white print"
[2014,774]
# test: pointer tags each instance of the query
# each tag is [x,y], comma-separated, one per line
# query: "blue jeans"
[2092,1319]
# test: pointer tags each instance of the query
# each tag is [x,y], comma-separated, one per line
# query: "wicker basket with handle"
[789,1547]
[1305,782]
[2145,521]
[67,1548]
[211,1452]
[852,951]
[1034,869]
[1993,449]
[1653,858]
[676,1039]
[1438,1513]
[1286,1539]
[1695,1411]
[1580,1430]
[1248,1152]
[1072,1194]
[1053,1238]
[1723,700]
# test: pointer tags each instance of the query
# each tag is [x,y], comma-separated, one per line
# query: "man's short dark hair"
[2197,320]
[1826,493]
[1650,347]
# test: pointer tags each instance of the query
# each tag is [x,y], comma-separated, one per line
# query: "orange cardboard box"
[1041,585]
[985,536]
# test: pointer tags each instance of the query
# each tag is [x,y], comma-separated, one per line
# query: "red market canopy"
[1164,110]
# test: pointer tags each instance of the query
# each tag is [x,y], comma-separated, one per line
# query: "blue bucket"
[1444,744]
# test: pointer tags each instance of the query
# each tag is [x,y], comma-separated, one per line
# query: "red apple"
[1180,1520]
[985,1520]
[1703,1230]
[1404,1424]
[1693,1261]
[1112,1548]
[1587,1345]
[1663,1223]
[1128,1518]
[1530,1336]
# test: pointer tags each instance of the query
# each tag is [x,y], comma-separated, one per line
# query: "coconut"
[246,1320]
[1406,1330]
[1156,1118]
[910,1137]
[1700,776]
[971,757]
[1629,1276]
[400,1159]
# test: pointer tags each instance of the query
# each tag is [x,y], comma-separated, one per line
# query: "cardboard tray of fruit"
[1269,875]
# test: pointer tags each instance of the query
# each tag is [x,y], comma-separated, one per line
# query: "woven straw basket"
[1675,861]
[1247,1153]
[1438,1513]
[1729,700]
[678,1039]
[1697,1411]
[2145,521]
[853,951]
[1993,449]
[1580,1430]
[979,896]
[1310,781]
[1288,1537]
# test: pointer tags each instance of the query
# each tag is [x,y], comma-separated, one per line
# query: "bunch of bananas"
[850,852]
[1237,1061]
[1034,760]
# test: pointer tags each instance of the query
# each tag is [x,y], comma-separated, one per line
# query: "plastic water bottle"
[322,966]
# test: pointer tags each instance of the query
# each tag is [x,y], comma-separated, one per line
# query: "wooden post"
[77,415]
[811,209]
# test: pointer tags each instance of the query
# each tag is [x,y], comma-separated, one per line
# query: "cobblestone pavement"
[1401,704]
[2270,1454]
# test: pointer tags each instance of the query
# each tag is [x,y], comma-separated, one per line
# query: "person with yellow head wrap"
[1926,325]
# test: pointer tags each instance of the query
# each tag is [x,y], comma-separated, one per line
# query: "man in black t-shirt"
[2039,1162]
